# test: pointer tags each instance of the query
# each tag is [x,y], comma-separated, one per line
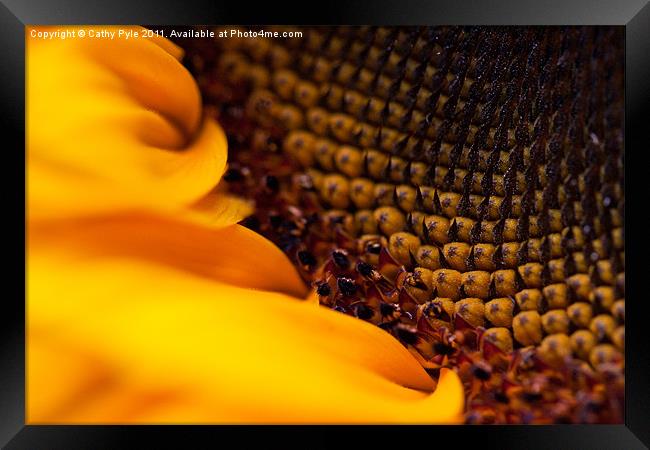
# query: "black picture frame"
[634,15]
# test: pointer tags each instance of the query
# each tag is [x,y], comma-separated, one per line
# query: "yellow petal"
[115,125]
[233,254]
[176,348]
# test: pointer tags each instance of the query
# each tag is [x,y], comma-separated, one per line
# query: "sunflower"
[146,301]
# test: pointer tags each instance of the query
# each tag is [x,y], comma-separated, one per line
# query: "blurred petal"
[115,125]
[203,351]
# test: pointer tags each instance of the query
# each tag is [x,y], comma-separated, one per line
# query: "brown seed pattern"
[477,172]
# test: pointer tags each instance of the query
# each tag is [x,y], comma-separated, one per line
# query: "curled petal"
[233,254]
[115,124]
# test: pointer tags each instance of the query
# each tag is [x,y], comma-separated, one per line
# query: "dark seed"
[340,259]
[346,286]
[481,371]
[443,349]
[306,258]
[323,289]
[407,336]
[364,312]
[386,309]
[364,268]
